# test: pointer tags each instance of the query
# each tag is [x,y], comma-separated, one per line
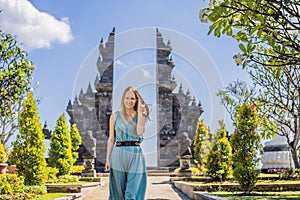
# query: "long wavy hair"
[135,107]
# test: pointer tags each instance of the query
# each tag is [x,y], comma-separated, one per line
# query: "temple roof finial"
[89,89]
[194,102]
[76,102]
[181,91]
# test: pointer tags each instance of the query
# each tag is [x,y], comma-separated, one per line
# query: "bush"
[195,171]
[76,170]
[60,152]
[12,187]
[51,173]
[11,183]
[65,179]
[36,189]
[2,153]
[218,161]
[29,148]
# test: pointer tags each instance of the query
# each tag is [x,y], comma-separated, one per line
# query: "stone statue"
[186,144]
[90,146]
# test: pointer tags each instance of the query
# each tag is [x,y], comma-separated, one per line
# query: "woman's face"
[130,100]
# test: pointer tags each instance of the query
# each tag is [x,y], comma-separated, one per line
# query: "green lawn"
[49,196]
[258,195]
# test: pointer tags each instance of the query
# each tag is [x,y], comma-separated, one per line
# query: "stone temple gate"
[178,112]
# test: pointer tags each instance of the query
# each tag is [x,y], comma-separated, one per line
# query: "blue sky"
[60,36]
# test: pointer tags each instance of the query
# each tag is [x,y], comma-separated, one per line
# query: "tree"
[76,141]
[279,103]
[246,144]
[60,152]
[218,160]
[15,73]
[236,94]
[29,148]
[267,30]
[201,143]
[239,92]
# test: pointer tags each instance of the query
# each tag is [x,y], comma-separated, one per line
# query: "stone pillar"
[185,162]
[89,155]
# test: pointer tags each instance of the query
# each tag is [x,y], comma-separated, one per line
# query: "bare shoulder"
[113,116]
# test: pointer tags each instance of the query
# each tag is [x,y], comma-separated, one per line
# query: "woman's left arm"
[141,121]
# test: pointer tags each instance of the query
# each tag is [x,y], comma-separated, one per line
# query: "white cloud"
[33,28]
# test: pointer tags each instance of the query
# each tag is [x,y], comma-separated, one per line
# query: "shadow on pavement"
[180,194]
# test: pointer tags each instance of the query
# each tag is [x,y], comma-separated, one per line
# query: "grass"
[258,195]
[49,196]
[78,182]
[258,182]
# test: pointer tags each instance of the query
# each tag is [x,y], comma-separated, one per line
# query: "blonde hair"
[138,98]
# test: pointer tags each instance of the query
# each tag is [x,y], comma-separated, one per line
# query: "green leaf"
[242,47]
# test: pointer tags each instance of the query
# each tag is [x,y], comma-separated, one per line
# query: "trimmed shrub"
[3,157]
[29,148]
[219,159]
[60,152]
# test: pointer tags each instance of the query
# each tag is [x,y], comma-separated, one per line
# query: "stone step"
[158,171]
[158,174]
[152,173]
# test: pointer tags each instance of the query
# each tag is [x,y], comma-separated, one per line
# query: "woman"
[125,159]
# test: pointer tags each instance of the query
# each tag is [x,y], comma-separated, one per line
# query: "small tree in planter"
[3,158]
[29,148]
[76,141]
[219,159]
[201,144]
[60,152]
[246,143]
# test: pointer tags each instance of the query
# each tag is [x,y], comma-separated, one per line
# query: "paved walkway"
[158,188]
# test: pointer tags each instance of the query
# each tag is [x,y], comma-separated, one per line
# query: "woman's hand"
[107,166]
[141,107]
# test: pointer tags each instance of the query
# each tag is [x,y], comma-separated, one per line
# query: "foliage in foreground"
[15,75]
[246,143]
[29,148]
[12,187]
[76,141]
[201,143]
[267,30]
[60,152]
[258,195]
[218,161]
[2,153]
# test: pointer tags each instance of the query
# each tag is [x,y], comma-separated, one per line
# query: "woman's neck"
[130,112]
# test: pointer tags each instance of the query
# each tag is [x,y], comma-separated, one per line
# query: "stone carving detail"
[178,111]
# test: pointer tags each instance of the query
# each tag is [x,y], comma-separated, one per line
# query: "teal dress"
[128,177]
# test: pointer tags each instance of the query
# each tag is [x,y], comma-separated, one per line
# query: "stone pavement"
[158,188]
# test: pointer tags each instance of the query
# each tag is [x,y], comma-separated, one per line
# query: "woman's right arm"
[111,140]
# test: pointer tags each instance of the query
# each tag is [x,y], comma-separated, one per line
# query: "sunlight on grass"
[258,195]
[49,196]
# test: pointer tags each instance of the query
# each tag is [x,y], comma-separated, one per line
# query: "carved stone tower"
[178,112]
